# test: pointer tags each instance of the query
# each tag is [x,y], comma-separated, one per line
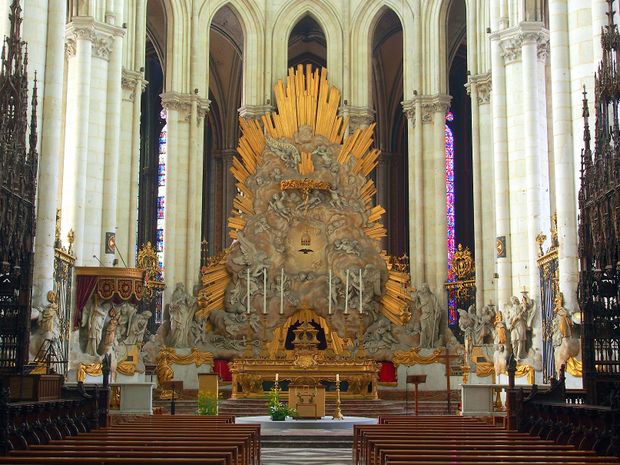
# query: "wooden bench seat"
[400,440]
[141,440]
[110,460]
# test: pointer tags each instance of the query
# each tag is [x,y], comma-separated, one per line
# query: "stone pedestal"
[136,398]
[479,399]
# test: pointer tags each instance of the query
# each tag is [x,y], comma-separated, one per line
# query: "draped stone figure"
[180,314]
[96,319]
[110,331]
[135,332]
[430,317]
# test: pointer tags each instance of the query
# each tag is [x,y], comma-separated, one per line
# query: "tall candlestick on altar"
[277,377]
[337,377]
[346,295]
[264,291]
[248,293]
[329,295]
[361,292]
[282,291]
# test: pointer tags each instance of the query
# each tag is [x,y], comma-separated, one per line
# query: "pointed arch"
[327,18]
[177,57]
[363,24]
[251,18]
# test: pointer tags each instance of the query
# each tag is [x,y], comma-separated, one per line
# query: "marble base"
[136,398]
[479,399]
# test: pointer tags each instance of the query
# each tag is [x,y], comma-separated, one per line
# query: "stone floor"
[289,456]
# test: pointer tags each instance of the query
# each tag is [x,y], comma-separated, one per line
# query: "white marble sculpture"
[430,317]
[519,317]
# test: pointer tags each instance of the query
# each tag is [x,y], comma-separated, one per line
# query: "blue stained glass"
[450,214]
[161,191]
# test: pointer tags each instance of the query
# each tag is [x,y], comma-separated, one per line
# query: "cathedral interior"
[227,213]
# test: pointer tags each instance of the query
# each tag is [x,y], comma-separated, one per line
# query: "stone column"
[416,189]
[182,228]
[487,186]
[132,86]
[80,35]
[112,144]
[535,40]
[500,157]
[563,153]
[478,88]
[51,128]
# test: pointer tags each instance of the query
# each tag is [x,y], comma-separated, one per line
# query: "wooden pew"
[401,440]
[163,439]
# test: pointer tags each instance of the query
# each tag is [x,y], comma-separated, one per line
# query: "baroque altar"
[306,255]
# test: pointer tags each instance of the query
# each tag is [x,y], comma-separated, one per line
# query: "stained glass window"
[451,217]
[161,190]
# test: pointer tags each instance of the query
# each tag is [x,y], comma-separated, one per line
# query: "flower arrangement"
[278,410]
[207,403]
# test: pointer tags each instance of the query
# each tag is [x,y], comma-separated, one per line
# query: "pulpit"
[309,401]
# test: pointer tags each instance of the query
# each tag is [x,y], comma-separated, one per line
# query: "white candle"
[248,293]
[264,291]
[282,291]
[361,291]
[337,377]
[346,295]
[329,296]
[277,377]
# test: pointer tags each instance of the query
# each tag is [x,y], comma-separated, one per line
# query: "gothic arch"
[251,19]
[327,18]
[177,63]
[363,24]
[435,29]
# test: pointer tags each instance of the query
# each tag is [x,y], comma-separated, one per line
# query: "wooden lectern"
[208,383]
[309,401]
[414,379]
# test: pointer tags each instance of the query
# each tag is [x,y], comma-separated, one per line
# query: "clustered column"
[182,222]
[51,147]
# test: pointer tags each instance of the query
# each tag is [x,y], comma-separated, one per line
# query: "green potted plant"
[207,403]
[278,411]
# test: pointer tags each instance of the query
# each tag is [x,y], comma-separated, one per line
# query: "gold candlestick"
[338,413]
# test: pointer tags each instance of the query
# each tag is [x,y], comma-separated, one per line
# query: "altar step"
[349,407]
[305,441]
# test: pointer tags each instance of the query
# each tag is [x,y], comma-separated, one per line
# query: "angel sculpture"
[468,320]
[519,316]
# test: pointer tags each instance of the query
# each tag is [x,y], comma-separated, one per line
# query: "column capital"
[254,111]
[512,40]
[429,104]
[129,80]
[483,84]
[101,35]
[409,109]
[359,117]
[182,104]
